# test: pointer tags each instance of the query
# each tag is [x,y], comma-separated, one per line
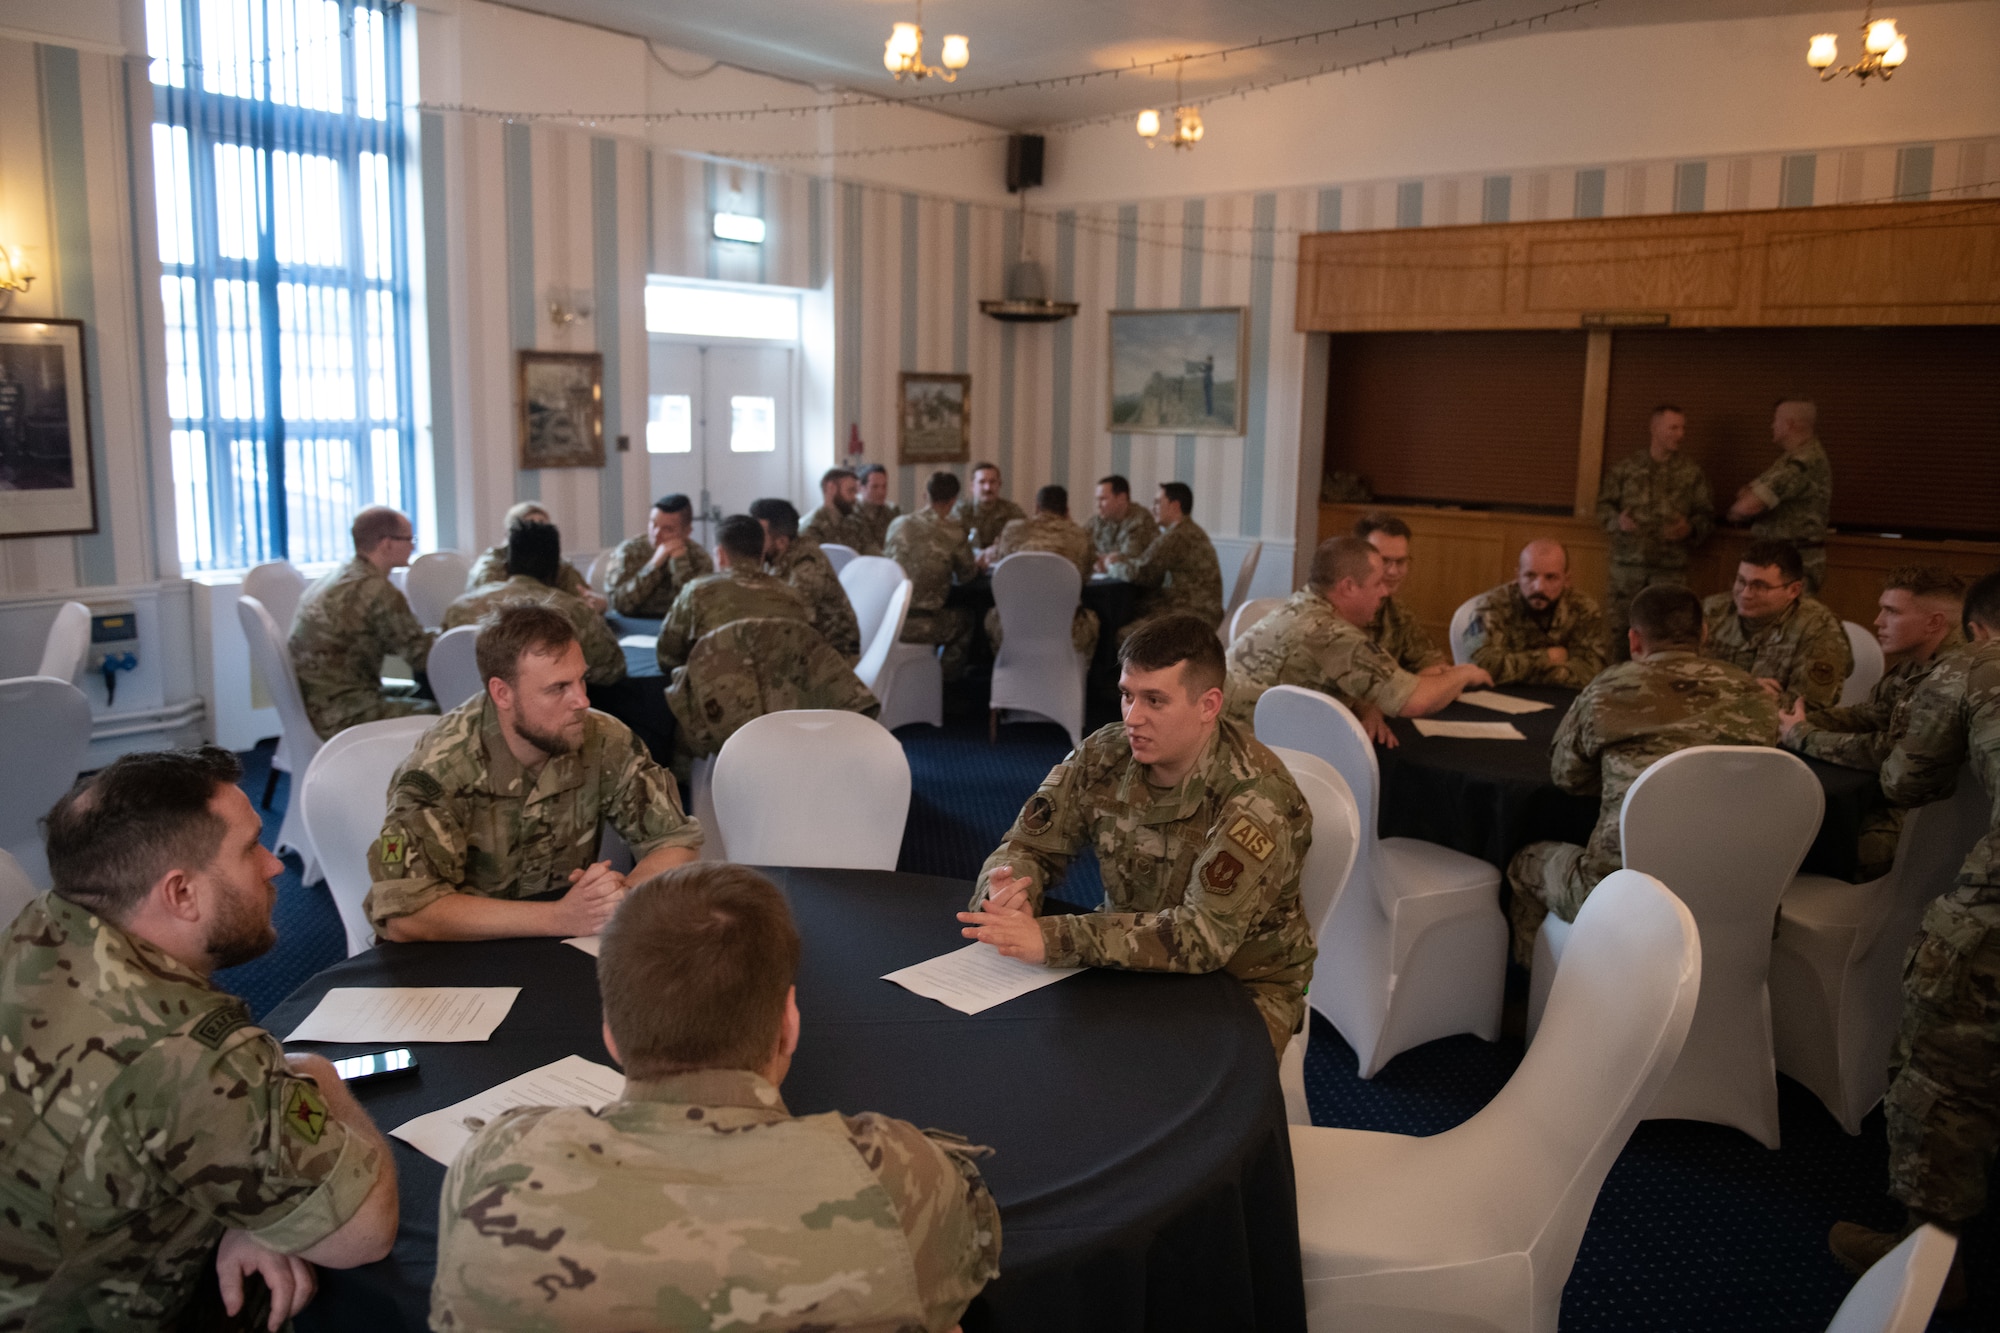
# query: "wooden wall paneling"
[1692,267]
[1881,266]
[1437,275]
[1590,439]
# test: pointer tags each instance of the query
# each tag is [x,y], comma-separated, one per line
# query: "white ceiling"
[838,43]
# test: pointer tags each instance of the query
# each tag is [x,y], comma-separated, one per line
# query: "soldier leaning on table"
[1394,627]
[644,574]
[1538,630]
[1766,625]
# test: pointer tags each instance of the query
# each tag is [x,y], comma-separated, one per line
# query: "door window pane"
[669,423]
[753,425]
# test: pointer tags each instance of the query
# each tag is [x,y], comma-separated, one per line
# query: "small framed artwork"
[933,418]
[1178,372]
[562,409]
[45,482]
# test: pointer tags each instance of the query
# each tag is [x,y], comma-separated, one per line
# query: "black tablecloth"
[1491,798]
[1143,1169]
[640,660]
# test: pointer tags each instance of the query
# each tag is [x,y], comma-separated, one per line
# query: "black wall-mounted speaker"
[1024,161]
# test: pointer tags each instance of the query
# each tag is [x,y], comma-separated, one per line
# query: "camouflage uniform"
[934,553]
[985,521]
[1397,632]
[805,567]
[875,521]
[1632,715]
[1803,647]
[714,600]
[602,656]
[748,668]
[1179,572]
[465,816]
[1861,736]
[1512,642]
[1797,491]
[634,592]
[492,568]
[661,1211]
[828,526]
[1200,877]
[1943,1103]
[1654,494]
[1059,536]
[1128,537]
[1305,642]
[142,1115]
[347,623]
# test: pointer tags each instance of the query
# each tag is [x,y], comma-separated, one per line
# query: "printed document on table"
[976,978]
[1470,731]
[407,1013]
[1503,703]
[570,1081]
[639,641]
[587,943]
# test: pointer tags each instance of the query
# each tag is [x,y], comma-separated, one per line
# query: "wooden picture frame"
[933,418]
[1178,372]
[47,488]
[560,402]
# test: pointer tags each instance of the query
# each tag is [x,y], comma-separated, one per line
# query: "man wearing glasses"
[1395,628]
[1790,642]
[353,618]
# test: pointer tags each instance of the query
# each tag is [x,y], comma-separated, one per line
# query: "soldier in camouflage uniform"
[663,1210]
[1657,508]
[874,509]
[534,557]
[837,521]
[152,1138]
[1394,628]
[985,513]
[644,574]
[349,621]
[752,667]
[1050,530]
[799,561]
[1119,530]
[506,798]
[933,551]
[491,566]
[1538,630]
[1792,500]
[1943,1103]
[1766,627]
[740,590]
[1916,626]
[1667,698]
[1179,571]
[1199,830]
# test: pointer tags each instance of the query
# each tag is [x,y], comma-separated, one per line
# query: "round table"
[1491,798]
[1142,1167]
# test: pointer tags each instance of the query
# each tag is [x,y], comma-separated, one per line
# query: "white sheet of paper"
[1503,703]
[976,978]
[639,641]
[1470,731]
[570,1081]
[587,943]
[407,1013]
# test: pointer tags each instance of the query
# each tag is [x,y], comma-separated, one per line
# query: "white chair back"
[884,637]
[344,796]
[435,581]
[1250,613]
[594,576]
[1300,719]
[815,787]
[68,641]
[869,581]
[16,889]
[44,735]
[453,667]
[279,586]
[1246,573]
[1037,669]
[1869,664]
[1336,829]
[271,658]
[1725,827]
[1461,621]
[839,556]
[1900,1292]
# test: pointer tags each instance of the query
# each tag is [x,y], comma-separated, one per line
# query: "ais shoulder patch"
[1245,833]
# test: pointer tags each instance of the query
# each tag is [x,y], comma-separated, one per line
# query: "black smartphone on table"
[376,1065]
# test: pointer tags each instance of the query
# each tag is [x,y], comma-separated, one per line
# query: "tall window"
[278,150]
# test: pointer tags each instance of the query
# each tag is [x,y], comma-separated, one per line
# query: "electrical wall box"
[114,636]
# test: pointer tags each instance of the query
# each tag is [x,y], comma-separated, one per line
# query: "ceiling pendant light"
[1883,51]
[903,53]
[1187,128]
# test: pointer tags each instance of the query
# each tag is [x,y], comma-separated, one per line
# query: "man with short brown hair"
[836,521]
[874,508]
[1656,506]
[351,620]
[1792,644]
[740,590]
[985,513]
[1394,628]
[644,574]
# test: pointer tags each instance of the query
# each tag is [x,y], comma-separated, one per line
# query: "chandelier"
[1187,127]
[903,53]
[1883,51]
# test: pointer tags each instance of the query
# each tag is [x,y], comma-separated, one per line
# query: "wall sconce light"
[14,276]
[566,308]
[744,227]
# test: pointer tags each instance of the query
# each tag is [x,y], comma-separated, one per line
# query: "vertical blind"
[279,154]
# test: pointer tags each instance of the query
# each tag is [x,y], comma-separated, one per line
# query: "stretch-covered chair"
[1415,948]
[1336,839]
[1246,573]
[454,667]
[1249,614]
[870,669]
[16,889]
[435,581]
[280,587]
[1869,664]
[812,788]
[839,556]
[868,581]
[271,658]
[343,797]
[1478,1227]
[1899,1293]
[1461,625]
[1038,669]
[44,735]
[68,640]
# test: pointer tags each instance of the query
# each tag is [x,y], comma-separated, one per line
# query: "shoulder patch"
[305,1111]
[421,786]
[1038,814]
[394,847]
[218,1024]
[1219,876]
[1245,833]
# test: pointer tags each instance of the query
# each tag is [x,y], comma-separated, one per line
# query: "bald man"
[1792,500]
[1538,630]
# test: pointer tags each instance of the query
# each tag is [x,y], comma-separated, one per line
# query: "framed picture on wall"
[561,398]
[45,482]
[1178,372]
[933,418]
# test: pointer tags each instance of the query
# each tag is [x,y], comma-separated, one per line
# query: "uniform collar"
[360,566]
[1668,655]
[709,1087]
[1158,805]
[505,775]
[112,946]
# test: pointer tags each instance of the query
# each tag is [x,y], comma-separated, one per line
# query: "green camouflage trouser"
[1545,877]
[1622,584]
[1943,1103]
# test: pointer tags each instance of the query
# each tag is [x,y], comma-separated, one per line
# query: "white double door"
[721,426]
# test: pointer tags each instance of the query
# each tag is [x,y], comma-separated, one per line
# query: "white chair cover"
[344,796]
[815,787]
[882,637]
[16,889]
[1038,669]
[1461,621]
[1899,1293]
[1837,959]
[454,667]
[1869,664]
[840,557]
[701,804]
[279,586]
[1250,613]
[435,581]
[594,576]
[1245,574]
[1416,947]
[272,659]
[68,641]
[1478,1227]
[913,685]
[44,735]
[1336,837]
[868,581]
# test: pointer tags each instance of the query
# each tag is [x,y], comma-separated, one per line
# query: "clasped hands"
[594,894]
[1008,922]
